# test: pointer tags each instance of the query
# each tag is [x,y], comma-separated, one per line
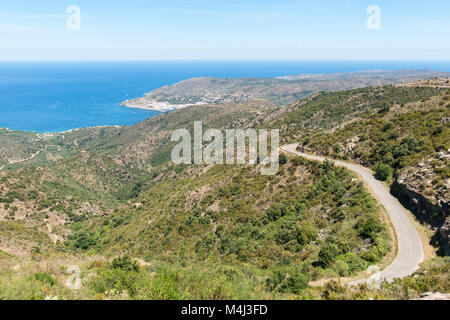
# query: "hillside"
[229,220]
[18,149]
[281,90]
[93,194]
[144,145]
[49,198]
[325,112]
[407,144]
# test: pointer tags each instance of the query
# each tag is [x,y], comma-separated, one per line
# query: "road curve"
[410,248]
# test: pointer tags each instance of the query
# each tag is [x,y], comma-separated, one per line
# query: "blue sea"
[58,96]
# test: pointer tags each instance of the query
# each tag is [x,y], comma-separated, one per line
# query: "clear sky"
[224,30]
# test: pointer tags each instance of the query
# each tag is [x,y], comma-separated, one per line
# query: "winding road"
[410,248]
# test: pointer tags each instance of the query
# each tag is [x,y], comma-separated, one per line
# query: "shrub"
[36,250]
[297,161]
[275,212]
[82,240]
[32,194]
[306,233]
[166,286]
[368,226]
[295,283]
[119,280]
[45,278]
[354,262]
[283,159]
[438,130]
[328,254]
[383,172]
[286,208]
[44,204]
[124,263]
[20,288]
[287,280]
[286,233]
[370,255]
[334,290]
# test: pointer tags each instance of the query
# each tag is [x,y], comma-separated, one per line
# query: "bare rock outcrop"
[434,296]
[426,191]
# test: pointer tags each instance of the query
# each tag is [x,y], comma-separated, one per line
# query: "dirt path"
[23,160]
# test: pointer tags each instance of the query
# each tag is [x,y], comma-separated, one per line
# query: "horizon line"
[227,60]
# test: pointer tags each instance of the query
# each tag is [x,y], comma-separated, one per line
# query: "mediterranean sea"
[58,96]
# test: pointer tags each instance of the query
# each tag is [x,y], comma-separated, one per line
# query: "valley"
[102,197]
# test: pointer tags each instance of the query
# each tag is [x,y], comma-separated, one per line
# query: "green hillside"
[218,231]
[408,145]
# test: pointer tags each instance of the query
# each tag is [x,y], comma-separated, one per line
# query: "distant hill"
[281,90]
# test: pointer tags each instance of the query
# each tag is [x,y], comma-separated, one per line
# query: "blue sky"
[224,30]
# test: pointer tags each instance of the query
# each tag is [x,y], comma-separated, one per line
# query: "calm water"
[51,97]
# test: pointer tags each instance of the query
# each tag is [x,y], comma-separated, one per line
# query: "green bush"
[82,240]
[45,278]
[297,161]
[383,172]
[306,233]
[119,280]
[286,233]
[295,283]
[166,286]
[124,263]
[368,226]
[354,262]
[44,204]
[328,254]
[287,280]
[286,208]
[283,159]
[22,288]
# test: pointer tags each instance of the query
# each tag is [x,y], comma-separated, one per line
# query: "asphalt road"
[410,249]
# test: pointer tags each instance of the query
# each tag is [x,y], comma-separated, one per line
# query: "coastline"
[157,105]
[282,90]
[196,92]
[43,134]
